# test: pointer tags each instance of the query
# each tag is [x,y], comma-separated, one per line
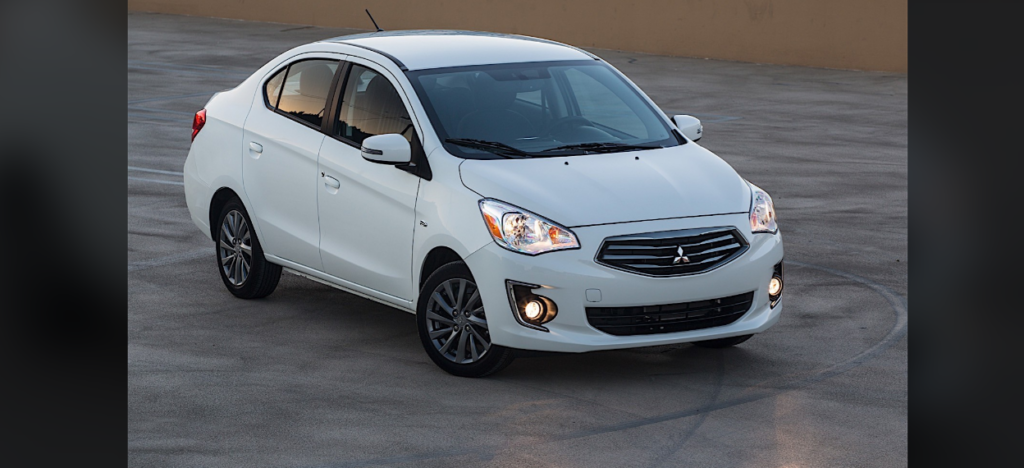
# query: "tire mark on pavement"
[676,446]
[154,171]
[157,181]
[896,333]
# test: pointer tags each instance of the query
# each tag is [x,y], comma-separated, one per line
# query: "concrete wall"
[851,34]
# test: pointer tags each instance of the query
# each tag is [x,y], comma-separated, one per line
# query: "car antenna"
[374,22]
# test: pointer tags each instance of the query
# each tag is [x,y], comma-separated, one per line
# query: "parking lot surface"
[315,377]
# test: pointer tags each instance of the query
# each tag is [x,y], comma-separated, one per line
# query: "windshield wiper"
[608,147]
[495,147]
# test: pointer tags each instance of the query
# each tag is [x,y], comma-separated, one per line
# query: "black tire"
[490,361]
[723,342]
[261,277]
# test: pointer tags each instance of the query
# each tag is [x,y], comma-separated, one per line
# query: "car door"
[281,140]
[367,210]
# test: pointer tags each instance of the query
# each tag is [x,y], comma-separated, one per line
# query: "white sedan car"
[511,192]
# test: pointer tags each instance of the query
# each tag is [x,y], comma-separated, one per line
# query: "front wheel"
[453,327]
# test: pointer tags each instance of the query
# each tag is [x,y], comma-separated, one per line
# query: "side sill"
[347,286]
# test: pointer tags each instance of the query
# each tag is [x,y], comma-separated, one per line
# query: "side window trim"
[281,91]
[339,93]
[326,127]
[341,88]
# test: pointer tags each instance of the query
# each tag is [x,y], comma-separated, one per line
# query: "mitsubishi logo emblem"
[680,257]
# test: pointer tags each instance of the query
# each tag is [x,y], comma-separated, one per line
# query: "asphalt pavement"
[315,377]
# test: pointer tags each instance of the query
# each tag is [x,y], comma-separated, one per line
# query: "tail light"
[198,122]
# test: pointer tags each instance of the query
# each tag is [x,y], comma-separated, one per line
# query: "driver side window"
[371,106]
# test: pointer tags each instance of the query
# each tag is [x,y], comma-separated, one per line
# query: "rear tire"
[723,342]
[243,268]
[452,326]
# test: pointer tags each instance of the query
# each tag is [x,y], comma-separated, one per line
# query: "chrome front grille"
[672,253]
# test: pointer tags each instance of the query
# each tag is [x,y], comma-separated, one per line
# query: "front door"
[367,210]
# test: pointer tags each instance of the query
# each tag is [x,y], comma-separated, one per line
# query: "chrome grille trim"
[653,253]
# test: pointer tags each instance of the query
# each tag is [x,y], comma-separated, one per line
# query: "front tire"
[243,268]
[453,327]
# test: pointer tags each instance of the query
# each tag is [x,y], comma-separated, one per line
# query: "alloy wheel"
[456,323]
[235,248]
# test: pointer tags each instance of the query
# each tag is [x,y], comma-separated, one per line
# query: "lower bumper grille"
[669,318]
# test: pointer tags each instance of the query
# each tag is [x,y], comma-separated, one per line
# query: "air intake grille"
[669,318]
[672,253]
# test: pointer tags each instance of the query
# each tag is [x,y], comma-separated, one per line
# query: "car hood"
[675,182]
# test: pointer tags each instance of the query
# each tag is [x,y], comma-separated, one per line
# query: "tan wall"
[852,34]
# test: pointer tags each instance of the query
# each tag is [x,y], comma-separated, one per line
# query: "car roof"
[434,48]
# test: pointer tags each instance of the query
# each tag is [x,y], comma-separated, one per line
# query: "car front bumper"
[565,276]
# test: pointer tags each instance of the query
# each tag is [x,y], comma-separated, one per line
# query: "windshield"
[540,109]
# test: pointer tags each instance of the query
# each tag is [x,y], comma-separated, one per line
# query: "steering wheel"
[567,123]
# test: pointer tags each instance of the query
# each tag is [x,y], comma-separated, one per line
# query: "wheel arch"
[436,258]
[220,198]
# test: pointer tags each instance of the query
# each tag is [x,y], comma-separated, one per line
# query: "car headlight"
[762,211]
[520,231]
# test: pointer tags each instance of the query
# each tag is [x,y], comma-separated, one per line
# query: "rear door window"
[305,88]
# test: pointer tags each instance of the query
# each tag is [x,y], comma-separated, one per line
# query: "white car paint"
[420,50]
[279,173]
[566,276]
[366,226]
[370,233]
[676,182]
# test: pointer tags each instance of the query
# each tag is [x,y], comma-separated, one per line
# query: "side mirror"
[689,126]
[390,148]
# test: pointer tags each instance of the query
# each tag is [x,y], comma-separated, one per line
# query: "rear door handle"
[256,147]
[331,182]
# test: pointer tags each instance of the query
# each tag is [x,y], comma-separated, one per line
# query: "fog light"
[775,285]
[531,310]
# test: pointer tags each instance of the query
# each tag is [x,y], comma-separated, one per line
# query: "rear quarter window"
[272,89]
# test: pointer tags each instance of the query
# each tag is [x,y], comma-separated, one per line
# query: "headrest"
[315,80]
[382,95]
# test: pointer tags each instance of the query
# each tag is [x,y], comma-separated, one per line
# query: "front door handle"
[331,182]
[255,147]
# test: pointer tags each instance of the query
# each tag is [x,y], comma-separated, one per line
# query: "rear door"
[367,210]
[281,141]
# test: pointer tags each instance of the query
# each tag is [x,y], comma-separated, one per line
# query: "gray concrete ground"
[314,377]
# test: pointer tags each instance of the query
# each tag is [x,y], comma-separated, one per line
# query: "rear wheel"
[244,269]
[453,327]
[723,342]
